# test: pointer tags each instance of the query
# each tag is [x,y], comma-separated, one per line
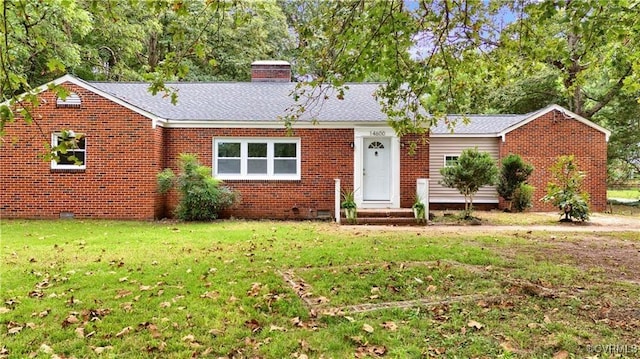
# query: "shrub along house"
[129,136]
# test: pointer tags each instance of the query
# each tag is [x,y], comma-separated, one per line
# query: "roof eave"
[87,86]
[268,124]
[457,134]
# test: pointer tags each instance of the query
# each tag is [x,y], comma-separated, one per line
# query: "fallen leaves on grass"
[275,328]
[370,350]
[475,324]
[123,293]
[367,328]
[152,328]
[254,325]
[100,350]
[210,295]
[508,347]
[391,326]
[46,349]
[255,290]
[71,319]
[14,328]
[124,331]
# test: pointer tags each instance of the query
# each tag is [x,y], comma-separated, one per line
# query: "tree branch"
[613,91]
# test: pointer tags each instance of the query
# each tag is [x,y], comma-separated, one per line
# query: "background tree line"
[435,57]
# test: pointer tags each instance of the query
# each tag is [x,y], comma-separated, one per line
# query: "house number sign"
[377,133]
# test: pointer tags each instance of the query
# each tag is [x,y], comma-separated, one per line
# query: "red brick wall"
[270,73]
[543,140]
[123,157]
[412,167]
[326,154]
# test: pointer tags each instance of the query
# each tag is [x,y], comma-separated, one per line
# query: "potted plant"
[349,205]
[419,210]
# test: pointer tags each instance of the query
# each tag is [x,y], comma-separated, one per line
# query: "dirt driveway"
[607,243]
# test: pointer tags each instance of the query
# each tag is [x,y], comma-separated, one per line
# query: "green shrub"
[513,173]
[473,170]
[202,197]
[565,191]
[522,197]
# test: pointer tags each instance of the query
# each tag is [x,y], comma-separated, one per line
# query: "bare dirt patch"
[614,258]
[592,245]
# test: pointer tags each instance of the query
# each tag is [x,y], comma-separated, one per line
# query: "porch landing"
[383,216]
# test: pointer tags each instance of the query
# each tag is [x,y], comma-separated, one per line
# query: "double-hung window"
[71,151]
[256,158]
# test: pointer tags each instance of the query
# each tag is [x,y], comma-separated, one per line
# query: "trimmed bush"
[522,197]
[513,173]
[202,197]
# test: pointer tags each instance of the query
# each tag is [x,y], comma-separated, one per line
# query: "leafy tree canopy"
[434,57]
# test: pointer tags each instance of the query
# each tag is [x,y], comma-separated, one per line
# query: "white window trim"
[57,166]
[244,157]
[444,159]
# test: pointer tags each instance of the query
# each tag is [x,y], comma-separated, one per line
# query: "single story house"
[129,136]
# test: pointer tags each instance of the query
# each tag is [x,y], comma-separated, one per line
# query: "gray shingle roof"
[244,101]
[479,124]
[266,102]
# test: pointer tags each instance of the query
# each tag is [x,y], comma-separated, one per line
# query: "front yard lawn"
[235,289]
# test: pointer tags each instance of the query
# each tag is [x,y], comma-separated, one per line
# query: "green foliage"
[157,41]
[565,189]
[522,197]
[513,173]
[348,199]
[166,180]
[474,170]
[622,117]
[349,205]
[202,197]
[419,208]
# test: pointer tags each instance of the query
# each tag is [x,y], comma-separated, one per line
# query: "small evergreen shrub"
[202,197]
[522,197]
[473,170]
[513,173]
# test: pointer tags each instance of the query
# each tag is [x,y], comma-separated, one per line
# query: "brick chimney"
[270,71]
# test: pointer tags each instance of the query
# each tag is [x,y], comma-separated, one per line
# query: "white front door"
[376,169]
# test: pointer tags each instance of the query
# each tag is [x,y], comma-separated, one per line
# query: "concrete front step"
[385,212]
[384,216]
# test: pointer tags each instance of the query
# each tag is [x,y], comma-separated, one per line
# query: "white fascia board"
[470,135]
[561,109]
[265,124]
[87,86]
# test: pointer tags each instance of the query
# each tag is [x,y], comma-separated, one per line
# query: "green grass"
[177,290]
[625,193]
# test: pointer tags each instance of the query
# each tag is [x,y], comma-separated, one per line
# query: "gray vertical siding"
[452,146]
